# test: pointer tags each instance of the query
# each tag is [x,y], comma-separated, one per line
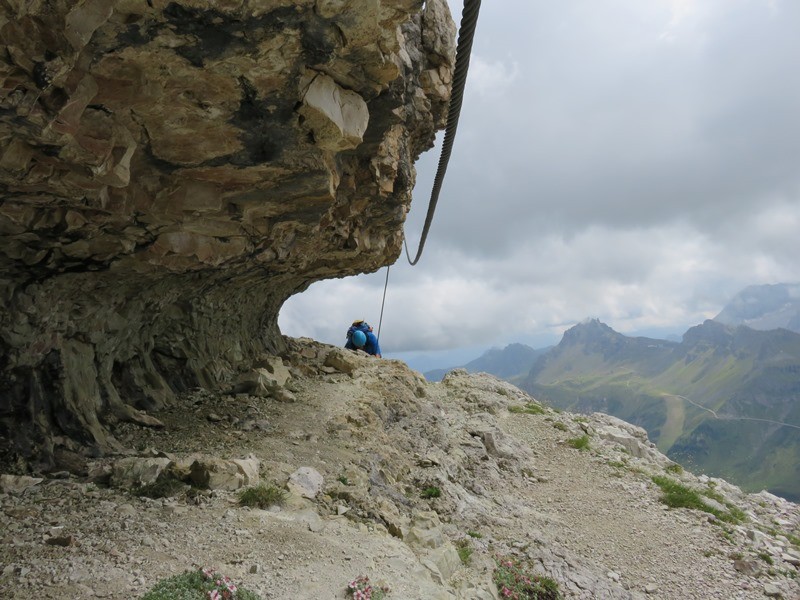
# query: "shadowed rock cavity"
[172,172]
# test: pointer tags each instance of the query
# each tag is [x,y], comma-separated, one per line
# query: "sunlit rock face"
[172,172]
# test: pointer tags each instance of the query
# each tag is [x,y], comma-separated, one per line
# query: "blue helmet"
[359,338]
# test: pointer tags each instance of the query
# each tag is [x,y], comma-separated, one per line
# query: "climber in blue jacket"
[360,337]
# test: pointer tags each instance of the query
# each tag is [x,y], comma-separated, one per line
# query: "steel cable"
[469,19]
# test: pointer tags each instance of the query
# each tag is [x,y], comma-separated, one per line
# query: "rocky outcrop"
[171,172]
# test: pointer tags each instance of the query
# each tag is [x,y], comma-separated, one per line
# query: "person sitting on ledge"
[360,337]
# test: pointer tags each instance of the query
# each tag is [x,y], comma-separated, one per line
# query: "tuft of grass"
[579,443]
[580,419]
[193,585]
[766,558]
[262,496]
[674,468]
[676,495]
[560,426]
[617,464]
[513,580]
[474,534]
[734,515]
[464,550]
[531,408]
[737,515]
[343,480]
[431,492]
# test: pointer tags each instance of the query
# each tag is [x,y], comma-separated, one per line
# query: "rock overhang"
[171,172]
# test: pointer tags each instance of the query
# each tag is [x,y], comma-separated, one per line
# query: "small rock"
[255,568]
[650,588]
[126,510]
[283,395]
[772,591]
[214,417]
[791,559]
[748,567]
[62,540]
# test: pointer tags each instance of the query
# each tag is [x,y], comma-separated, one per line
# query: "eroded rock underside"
[172,172]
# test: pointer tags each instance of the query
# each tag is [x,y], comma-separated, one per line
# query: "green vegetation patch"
[531,408]
[431,492]
[198,585]
[262,496]
[464,549]
[677,495]
[516,581]
[560,426]
[579,443]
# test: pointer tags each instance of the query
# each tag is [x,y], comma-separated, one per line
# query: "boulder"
[306,482]
[17,484]
[133,472]
[219,474]
[260,381]
[345,361]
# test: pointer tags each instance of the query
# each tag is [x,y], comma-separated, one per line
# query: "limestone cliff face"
[172,172]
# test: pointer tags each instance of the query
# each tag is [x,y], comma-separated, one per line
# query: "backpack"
[360,326]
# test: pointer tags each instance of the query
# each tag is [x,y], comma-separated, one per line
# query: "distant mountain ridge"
[508,363]
[715,401]
[764,307]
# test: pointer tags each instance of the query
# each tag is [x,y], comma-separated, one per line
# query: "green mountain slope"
[724,400]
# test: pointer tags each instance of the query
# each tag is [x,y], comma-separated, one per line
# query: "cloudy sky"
[637,162]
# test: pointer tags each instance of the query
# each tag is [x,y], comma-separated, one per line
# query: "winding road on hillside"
[729,417]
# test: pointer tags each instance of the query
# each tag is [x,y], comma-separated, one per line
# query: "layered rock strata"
[171,172]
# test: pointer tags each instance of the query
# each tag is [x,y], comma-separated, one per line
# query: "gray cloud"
[634,161]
